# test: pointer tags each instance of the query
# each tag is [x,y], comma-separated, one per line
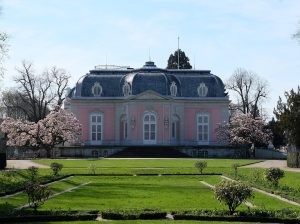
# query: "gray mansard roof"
[149,77]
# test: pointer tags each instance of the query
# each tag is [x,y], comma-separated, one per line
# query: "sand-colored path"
[272,163]
[24,164]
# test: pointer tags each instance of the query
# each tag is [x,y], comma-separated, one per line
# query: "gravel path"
[24,164]
[272,163]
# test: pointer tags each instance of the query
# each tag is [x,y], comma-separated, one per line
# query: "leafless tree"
[249,89]
[13,105]
[38,93]
[60,79]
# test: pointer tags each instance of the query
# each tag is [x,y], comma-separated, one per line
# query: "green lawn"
[289,185]
[165,192]
[145,163]
[145,166]
[290,179]
[168,193]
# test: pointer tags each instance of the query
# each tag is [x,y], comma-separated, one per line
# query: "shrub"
[273,175]
[37,194]
[200,165]
[93,168]
[256,175]
[232,193]
[56,168]
[235,167]
[33,173]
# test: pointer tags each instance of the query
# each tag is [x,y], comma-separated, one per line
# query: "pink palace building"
[124,107]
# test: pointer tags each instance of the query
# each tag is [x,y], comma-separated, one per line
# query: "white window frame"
[97,85]
[203,141]
[173,89]
[96,141]
[202,90]
[150,141]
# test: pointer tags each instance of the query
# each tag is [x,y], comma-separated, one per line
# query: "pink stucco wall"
[83,114]
[190,122]
[136,110]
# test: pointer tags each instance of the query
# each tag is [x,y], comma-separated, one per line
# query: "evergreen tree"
[288,115]
[184,61]
[278,135]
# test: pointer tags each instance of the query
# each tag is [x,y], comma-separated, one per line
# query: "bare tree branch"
[249,89]
[39,93]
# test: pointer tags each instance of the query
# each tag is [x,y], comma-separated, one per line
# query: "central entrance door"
[149,128]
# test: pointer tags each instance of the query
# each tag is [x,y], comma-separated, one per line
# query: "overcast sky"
[219,35]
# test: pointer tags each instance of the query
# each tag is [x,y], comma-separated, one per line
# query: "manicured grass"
[289,185]
[168,193]
[145,166]
[140,192]
[262,201]
[290,179]
[145,163]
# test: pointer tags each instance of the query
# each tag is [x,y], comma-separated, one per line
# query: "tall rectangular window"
[96,127]
[149,128]
[203,128]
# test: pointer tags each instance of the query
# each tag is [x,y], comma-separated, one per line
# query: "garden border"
[92,216]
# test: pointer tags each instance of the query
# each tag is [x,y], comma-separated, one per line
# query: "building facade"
[149,106]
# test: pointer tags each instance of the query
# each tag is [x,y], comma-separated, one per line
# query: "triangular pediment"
[149,95]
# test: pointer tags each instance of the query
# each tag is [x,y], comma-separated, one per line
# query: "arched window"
[203,128]
[96,128]
[97,89]
[126,89]
[175,128]
[149,128]
[123,128]
[173,89]
[202,89]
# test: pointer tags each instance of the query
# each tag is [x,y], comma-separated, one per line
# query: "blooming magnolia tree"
[243,130]
[56,128]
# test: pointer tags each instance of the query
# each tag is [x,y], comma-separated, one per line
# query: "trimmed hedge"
[20,216]
[2,161]
[280,216]
[293,159]
[133,214]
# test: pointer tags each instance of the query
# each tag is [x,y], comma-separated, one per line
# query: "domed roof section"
[185,83]
[98,85]
[149,77]
[213,85]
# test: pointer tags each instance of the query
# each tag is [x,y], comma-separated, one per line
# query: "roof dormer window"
[97,89]
[202,89]
[173,89]
[126,89]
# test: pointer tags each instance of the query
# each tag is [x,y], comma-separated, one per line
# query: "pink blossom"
[244,130]
[58,127]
